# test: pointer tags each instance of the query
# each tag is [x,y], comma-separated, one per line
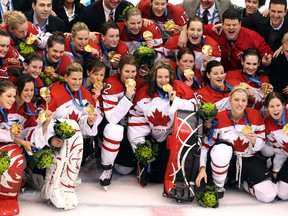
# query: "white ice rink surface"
[125,197]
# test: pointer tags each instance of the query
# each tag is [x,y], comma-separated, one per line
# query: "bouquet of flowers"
[25,49]
[43,158]
[4,162]
[63,130]
[208,198]
[207,110]
[47,80]
[145,55]
[146,152]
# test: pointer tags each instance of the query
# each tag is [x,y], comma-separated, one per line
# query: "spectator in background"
[102,11]
[278,70]
[273,27]
[69,11]
[233,41]
[41,16]
[251,7]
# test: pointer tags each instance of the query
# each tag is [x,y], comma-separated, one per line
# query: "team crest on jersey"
[239,55]
[240,145]
[158,119]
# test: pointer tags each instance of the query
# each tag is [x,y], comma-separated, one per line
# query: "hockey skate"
[62,175]
[142,174]
[106,176]
[183,164]
[10,180]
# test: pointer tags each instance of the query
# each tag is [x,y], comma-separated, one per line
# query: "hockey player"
[161,12]
[54,55]
[11,179]
[197,42]
[33,64]
[95,70]
[238,136]
[276,133]
[9,56]
[112,48]
[69,102]
[135,34]
[217,89]
[117,101]
[78,47]
[251,75]
[19,29]
[153,114]
[185,62]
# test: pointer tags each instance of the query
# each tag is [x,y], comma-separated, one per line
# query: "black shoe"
[220,192]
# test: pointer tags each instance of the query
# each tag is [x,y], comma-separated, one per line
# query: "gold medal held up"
[207,50]
[88,48]
[285,129]
[167,87]
[243,85]
[169,25]
[188,73]
[15,129]
[30,40]
[264,88]
[130,83]
[42,116]
[246,130]
[111,55]
[99,84]
[90,109]
[147,35]
[44,92]
[48,71]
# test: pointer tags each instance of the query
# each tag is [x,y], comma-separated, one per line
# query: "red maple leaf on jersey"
[73,116]
[157,119]
[285,146]
[239,145]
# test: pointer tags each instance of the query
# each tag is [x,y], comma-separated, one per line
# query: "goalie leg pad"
[10,181]
[62,175]
[183,163]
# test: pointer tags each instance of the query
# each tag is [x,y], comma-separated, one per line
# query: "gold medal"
[147,35]
[90,109]
[167,87]
[207,50]
[169,25]
[15,129]
[130,83]
[188,73]
[30,40]
[44,92]
[246,130]
[88,48]
[111,56]
[48,71]
[99,84]
[42,116]
[285,129]
[243,85]
[264,88]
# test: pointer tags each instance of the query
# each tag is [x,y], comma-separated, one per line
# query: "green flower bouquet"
[47,80]
[63,130]
[146,152]
[208,198]
[25,49]
[207,110]
[4,162]
[43,158]
[145,55]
